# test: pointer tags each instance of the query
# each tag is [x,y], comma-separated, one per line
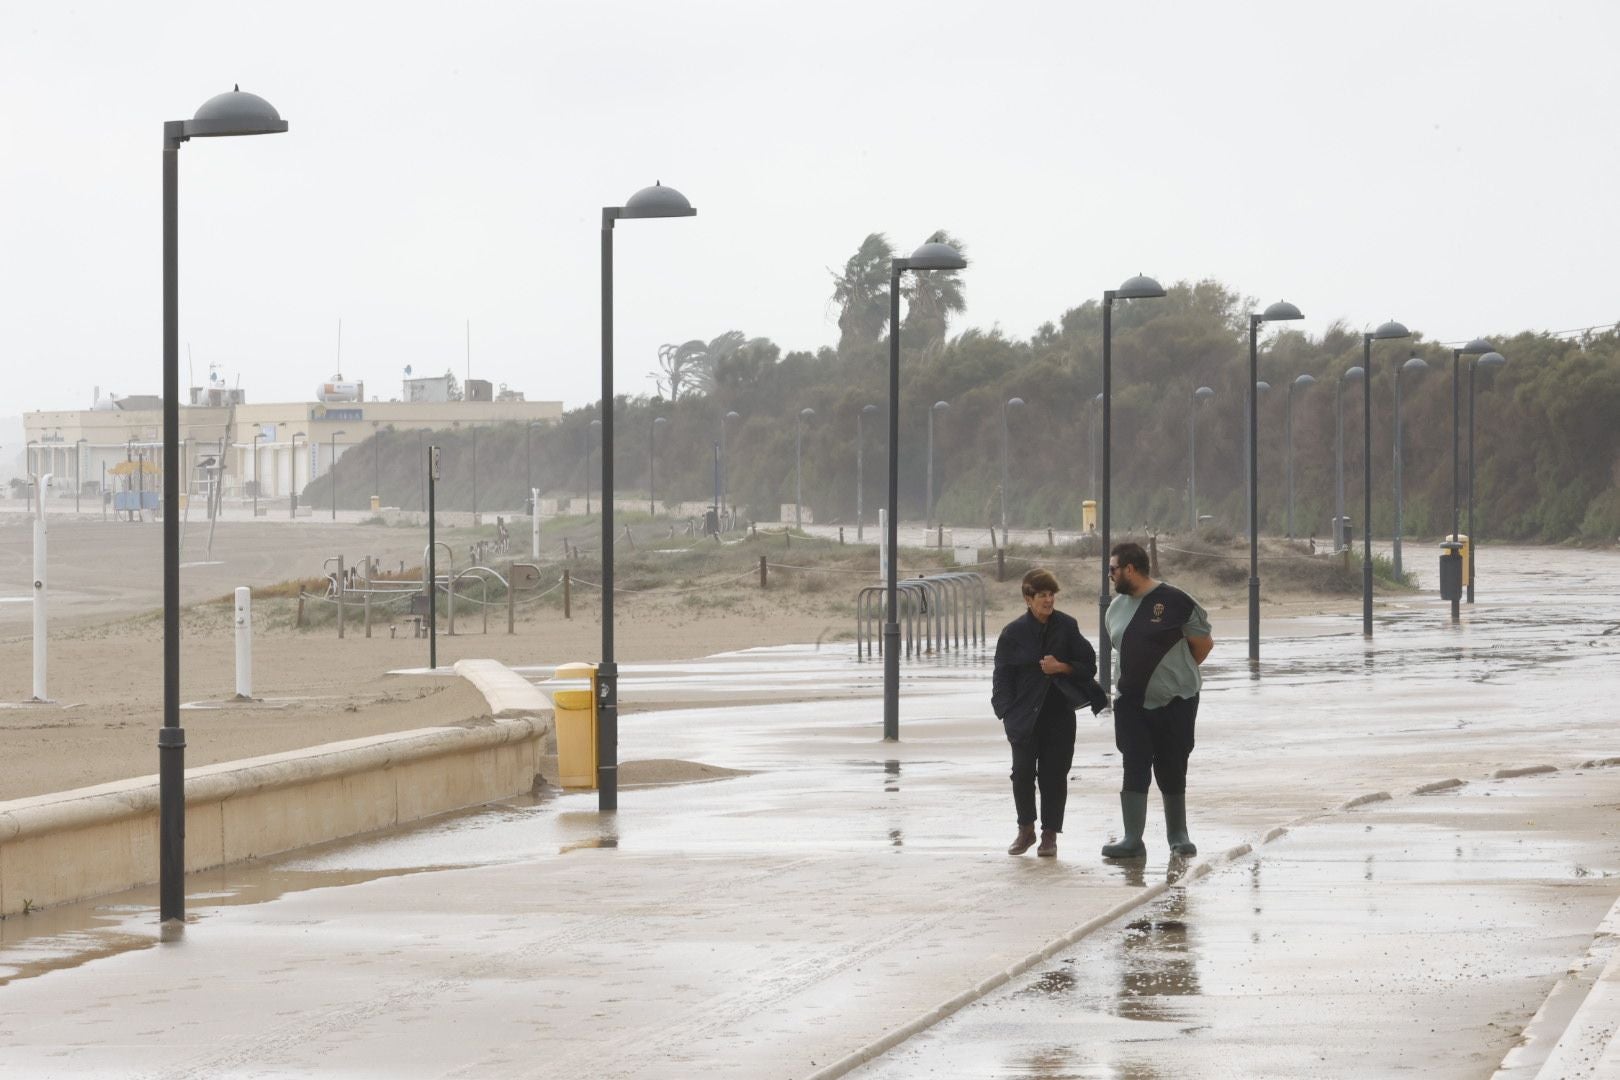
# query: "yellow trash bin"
[376,503]
[1088,516]
[574,711]
[1463,551]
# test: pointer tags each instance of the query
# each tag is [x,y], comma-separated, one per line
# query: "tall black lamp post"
[1491,359]
[1301,382]
[1202,394]
[333,470]
[1281,311]
[594,425]
[652,461]
[798,465]
[928,495]
[1477,347]
[652,202]
[934,256]
[257,435]
[1416,365]
[232,113]
[1340,533]
[1139,287]
[860,469]
[725,465]
[1389,331]
[1006,475]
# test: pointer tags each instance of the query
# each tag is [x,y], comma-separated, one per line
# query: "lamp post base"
[607,735]
[891,681]
[171,823]
[1254,620]
[1366,599]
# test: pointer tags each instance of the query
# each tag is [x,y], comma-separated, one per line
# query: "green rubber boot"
[1175,825]
[1133,809]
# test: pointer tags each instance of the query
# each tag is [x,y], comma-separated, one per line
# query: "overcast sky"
[1452,165]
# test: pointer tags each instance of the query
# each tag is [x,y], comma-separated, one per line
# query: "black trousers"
[1044,756]
[1155,741]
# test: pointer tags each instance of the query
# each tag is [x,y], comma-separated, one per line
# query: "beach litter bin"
[1452,569]
[573,710]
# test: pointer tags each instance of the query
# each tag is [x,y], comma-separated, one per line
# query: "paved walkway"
[795,921]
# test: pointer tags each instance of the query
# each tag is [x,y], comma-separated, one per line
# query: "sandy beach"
[106,644]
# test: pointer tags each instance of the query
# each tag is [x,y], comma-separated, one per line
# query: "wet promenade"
[846,904]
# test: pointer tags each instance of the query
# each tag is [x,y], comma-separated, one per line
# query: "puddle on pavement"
[64,937]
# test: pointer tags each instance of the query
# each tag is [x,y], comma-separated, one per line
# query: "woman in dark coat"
[1045,670]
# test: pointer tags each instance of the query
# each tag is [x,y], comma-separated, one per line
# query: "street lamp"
[860,475]
[257,435]
[294,451]
[1413,366]
[1301,382]
[725,470]
[596,425]
[333,470]
[1203,393]
[932,256]
[1281,311]
[376,462]
[1096,403]
[1340,539]
[652,439]
[1139,287]
[232,113]
[928,496]
[1389,331]
[1261,387]
[652,202]
[78,468]
[528,464]
[798,466]
[1477,347]
[1489,360]
[474,473]
[1006,476]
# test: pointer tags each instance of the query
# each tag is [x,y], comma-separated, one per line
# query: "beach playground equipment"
[936,612]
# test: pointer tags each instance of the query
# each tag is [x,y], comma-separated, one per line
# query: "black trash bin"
[1451,571]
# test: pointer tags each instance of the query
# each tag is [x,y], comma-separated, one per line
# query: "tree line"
[1546,434]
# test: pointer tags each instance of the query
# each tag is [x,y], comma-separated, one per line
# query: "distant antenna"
[340,348]
[469,348]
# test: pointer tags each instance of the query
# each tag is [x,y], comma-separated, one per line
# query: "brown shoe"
[1025,841]
[1048,843]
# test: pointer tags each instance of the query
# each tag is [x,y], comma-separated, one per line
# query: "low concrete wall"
[76,844]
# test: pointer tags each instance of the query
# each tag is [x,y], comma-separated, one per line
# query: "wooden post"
[483,606]
[629,538]
[511,601]
[450,598]
[840,536]
[340,597]
[1001,564]
[787,534]
[939,535]
[299,623]
[1153,554]
[568,595]
[762,577]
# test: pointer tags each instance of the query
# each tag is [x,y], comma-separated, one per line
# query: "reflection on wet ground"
[1301,960]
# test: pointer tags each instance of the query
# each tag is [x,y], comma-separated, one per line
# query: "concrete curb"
[87,842]
[508,693]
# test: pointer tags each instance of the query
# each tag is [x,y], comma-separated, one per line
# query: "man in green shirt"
[1162,635]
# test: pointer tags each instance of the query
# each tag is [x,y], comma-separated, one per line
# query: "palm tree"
[679,367]
[862,293]
[932,297]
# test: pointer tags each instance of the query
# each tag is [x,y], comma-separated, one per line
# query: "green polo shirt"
[1177,674]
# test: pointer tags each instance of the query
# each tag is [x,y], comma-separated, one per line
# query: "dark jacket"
[1019,686]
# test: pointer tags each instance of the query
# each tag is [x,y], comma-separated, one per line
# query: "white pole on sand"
[244,643]
[41,486]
